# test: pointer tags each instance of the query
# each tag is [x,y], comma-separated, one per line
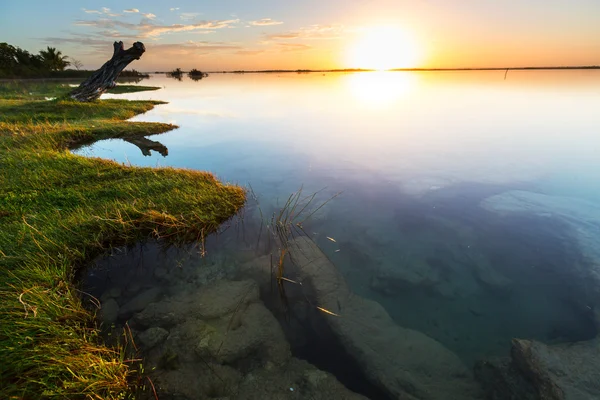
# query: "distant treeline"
[49,63]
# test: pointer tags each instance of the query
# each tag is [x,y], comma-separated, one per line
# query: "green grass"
[120,89]
[57,212]
[40,90]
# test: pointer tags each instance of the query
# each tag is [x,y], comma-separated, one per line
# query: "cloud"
[285,47]
[333,31]
[265,22]
[131,10]
[174,9]
[188,16]
[189,48]
[110,14]
[191,45]
[105,11]
[249,52]
[149,15]
[148,29]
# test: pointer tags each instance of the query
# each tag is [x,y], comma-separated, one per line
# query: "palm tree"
[53,59]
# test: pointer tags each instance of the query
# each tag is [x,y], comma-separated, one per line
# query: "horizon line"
[397,69]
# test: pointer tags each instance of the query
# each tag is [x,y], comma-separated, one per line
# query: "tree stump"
[106,77]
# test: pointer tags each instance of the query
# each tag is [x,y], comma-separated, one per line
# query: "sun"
[383,48]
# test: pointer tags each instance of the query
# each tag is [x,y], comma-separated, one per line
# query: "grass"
[57,212]
[40,90]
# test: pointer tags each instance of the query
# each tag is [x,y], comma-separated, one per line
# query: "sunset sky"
[312,34]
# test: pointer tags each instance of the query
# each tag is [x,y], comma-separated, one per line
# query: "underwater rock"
[501,380]
[581,216]
[405,363]
[537,371]
[139,302]
[297,379]
[153,336]
[224,297]
[224,343]
[391,278]
[112,293]
[569,371]
[196,381]
[251,336]
[224,322]
[445,263]
[211,301]
[165,313]
[109,311]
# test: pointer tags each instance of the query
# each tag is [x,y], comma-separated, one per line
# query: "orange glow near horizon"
[384,47]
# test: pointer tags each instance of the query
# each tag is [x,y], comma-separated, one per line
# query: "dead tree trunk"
[106,77]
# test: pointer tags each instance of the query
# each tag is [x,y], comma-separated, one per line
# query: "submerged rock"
[581,217]
[442,260]
[109,311]
[139,302]
[153,336]
[112,293]
[297,379]
[405,363]
[537,371]
[501,380]
[224,343]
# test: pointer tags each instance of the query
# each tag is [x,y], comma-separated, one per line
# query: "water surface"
[416,155]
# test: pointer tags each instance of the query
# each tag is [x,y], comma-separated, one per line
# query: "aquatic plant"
[286,224]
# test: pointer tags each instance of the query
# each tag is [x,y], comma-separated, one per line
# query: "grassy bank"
[41,90]
[57,212]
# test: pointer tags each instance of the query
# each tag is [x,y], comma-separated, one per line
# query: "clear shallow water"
[416,156]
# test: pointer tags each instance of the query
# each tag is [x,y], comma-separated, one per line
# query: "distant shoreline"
[308,71]
[584,67]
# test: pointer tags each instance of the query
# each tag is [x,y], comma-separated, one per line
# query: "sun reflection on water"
[381,88]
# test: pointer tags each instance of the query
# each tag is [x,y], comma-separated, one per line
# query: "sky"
[311,34]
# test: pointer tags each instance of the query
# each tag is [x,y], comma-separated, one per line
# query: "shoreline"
[59,211]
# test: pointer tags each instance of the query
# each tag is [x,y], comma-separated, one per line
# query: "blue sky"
[234,34]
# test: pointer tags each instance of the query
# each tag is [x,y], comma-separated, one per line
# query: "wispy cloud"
[191,45]
[105,11]
[265,22]
[188,16]
[149,15]
[174,9]
[333,31]
[249,52]
[186,48]
[109,13]
[131,10]
[148,29]
[285,47]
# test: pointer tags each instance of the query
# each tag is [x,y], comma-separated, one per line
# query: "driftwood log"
[106,77]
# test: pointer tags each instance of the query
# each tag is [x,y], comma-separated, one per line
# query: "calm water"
[429,223]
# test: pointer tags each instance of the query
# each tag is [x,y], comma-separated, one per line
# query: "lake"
[466,204]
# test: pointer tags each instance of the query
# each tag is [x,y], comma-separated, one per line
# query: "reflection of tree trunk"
[106,77]
[145,145]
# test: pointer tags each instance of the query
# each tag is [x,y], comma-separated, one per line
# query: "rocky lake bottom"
[463,292]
